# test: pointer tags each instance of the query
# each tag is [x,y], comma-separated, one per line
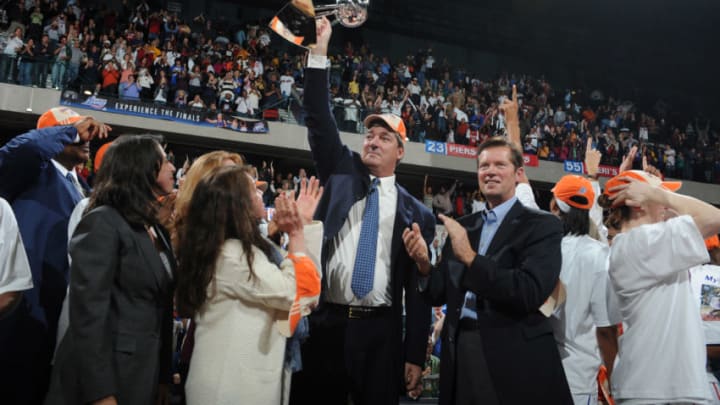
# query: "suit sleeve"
[526,284]
[24,156]
[417,309]
[94,252]
[323,135]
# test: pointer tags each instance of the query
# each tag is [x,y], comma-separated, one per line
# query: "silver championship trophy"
[296,20]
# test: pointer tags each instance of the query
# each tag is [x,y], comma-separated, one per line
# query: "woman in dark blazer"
[118,346]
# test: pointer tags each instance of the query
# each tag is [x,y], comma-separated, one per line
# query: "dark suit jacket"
[42,200]
[514,278]
[346,180]
[119,338]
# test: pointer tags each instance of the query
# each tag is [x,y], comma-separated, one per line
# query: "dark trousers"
[25,355]
[471,369]
[348,358]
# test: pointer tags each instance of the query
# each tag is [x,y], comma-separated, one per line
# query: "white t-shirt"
[661,355]
[253,101]
[584,274]
[524,193]
[12,45]
[15,274]
[705,281]
[670,157]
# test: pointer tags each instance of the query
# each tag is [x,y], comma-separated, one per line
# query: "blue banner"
[185,115]
[436,147]
[574,167]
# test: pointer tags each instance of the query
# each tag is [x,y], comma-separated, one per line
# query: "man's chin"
[371,160]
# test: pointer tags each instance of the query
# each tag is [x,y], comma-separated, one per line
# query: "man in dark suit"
[498,267]
[40,183]
[356,346]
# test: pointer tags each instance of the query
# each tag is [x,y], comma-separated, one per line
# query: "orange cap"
[642,176]
[574,186]
[99,155]
[57,116]
[394,122]
[712,242]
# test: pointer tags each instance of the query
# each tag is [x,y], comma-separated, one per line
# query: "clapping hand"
[459,239]
[416,248]
[308,198]
[286,216]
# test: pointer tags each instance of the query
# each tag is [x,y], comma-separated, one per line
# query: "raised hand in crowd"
[416,248]
[89,128]
[627,162]
[592,160]
[308,198]
[650,168]
[509,107]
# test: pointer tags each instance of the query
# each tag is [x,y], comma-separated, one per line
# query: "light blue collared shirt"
[492,220]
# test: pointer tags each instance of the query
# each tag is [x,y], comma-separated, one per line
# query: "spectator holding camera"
[110,78]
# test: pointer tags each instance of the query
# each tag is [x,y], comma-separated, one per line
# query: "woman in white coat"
[244,304]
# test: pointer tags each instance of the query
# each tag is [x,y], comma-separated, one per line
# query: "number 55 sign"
[574,167]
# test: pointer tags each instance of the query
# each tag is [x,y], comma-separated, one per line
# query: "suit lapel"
[507,227]
[152,258]
[403,219]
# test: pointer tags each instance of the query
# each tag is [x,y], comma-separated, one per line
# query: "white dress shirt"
[341,261]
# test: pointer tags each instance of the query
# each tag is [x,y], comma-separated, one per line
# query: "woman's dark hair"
[615,216]
[128,179]
[575,221]
[221,208]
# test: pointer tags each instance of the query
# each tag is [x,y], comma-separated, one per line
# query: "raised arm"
[512,123]
[592,166]
[22,158]
[323,134]
[636,193]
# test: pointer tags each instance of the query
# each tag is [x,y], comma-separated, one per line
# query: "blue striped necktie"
[364,271]
[75,185]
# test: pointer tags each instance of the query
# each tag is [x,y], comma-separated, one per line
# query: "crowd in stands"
[141,53]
